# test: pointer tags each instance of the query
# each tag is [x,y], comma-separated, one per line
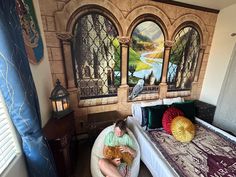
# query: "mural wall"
[147,35]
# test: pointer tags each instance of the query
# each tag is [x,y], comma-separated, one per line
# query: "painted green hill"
[134,58]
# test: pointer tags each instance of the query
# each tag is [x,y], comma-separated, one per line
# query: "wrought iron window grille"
[183,59]
[96,52]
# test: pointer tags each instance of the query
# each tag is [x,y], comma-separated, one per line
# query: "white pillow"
[169,101]
[137,112]
[137,109]
[151,103]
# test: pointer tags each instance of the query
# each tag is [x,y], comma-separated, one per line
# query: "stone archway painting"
[30,30]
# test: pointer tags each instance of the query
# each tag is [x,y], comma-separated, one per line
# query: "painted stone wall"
[59,17]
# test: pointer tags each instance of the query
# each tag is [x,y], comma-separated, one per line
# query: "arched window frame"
[198,58]
[160,24]
[112,89]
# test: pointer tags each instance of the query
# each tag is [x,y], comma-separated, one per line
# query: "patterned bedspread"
[208,154]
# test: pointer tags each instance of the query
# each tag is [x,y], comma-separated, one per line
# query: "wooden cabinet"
[59,133]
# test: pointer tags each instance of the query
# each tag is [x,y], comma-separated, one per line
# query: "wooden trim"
[181,4]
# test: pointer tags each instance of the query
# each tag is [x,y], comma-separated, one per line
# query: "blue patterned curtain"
[18,89]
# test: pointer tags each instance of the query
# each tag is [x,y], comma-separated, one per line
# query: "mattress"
[153,157]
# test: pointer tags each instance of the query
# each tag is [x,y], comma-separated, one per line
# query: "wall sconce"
[60,101]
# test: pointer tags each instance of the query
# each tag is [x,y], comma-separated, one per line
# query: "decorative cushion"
[182,129]
[137,111]
[145,114]
[155,114]
[145,111]
[188,109]
[114,152]
[168,116]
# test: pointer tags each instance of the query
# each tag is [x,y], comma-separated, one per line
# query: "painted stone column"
[65,39]
[123,90]
[200,57]
[163,85]
[194,89]
[124,43]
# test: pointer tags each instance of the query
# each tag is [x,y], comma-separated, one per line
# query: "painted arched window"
[183,59]
[146,54]
[96,53]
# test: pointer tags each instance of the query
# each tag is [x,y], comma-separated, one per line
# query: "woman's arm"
[128,149]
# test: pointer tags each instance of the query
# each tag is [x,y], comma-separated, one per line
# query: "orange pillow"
[182,129]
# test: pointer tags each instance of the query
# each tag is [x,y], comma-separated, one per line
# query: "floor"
[83,161]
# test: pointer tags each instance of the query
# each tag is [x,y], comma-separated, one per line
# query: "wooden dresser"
[59,134]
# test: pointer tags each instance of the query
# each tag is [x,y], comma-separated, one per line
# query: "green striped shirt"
[112,140]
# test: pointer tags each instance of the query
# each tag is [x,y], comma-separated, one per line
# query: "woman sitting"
[115,167]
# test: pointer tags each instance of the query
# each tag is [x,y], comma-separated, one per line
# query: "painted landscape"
[146,54]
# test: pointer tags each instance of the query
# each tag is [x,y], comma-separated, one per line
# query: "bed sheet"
[156,164]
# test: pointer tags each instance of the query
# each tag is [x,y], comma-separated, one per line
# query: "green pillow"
[145,114]
[155,116]
[187,108]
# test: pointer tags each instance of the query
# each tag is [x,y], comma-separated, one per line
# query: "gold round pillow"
[182,129]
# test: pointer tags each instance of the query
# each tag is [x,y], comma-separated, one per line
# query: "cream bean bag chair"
[97,153]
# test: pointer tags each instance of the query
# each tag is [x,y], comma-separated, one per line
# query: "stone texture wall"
[59,17]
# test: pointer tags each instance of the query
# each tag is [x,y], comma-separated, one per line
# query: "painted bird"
[137,89]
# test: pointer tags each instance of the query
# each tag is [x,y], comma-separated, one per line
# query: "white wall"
[42,75]
[221,51]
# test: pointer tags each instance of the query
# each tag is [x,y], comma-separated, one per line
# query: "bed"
[161,164]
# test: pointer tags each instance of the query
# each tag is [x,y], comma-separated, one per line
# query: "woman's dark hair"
[121,124]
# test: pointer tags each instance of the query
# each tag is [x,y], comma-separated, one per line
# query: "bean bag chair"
[97,153]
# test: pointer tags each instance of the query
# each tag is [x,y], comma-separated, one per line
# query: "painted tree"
[184,56]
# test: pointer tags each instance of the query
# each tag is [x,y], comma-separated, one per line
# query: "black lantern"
[60,101]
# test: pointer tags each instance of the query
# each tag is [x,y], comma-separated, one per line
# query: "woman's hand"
[124,149]
[127,149]
[116,161]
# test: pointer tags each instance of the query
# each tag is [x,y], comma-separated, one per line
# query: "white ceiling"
[213,4]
